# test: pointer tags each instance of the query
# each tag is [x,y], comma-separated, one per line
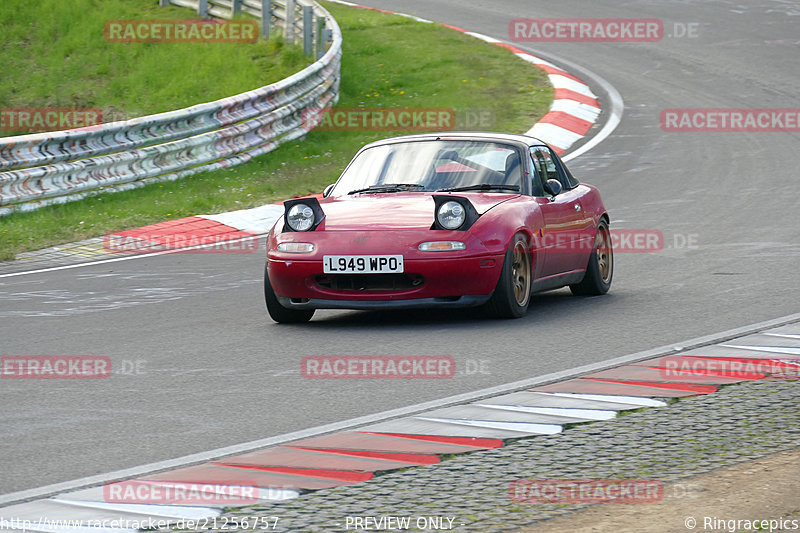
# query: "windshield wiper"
[482,187]
[390,187]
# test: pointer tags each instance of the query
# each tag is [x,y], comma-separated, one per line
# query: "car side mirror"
[552,187]
[327,190]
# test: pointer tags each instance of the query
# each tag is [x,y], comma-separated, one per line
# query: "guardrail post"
[202,9]
[289,33]
[266,18]
[237,8]
[308,30]
[163,3]
[320,33]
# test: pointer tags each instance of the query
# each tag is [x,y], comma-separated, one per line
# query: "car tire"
[600,270]
[512,295]
[279,313]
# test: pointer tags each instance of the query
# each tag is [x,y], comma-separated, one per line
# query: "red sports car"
[435,220]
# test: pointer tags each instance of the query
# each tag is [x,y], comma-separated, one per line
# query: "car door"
[566,235]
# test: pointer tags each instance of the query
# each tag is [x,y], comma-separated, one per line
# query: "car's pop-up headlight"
[300,217]
[453,213]
[303,214]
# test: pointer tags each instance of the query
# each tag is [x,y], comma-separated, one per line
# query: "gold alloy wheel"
[605,256]
[521,273]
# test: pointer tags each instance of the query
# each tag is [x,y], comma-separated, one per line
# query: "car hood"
[412,210]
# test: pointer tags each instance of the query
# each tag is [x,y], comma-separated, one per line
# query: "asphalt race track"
[202,366]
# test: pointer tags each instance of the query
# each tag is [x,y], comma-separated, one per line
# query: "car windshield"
[439,165]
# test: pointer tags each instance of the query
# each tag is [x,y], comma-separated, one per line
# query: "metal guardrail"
[58,167]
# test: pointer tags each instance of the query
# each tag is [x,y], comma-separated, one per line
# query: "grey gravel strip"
[688,437]
[86,251]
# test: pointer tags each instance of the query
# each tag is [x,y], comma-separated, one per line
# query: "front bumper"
[446,282]
[455,302]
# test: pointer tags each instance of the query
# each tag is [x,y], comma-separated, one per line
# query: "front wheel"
[279,313]
[513,292]
[600,270]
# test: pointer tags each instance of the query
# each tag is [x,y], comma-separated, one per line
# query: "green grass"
[389,61]
[54,54]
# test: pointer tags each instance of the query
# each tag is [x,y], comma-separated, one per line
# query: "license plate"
[362,264]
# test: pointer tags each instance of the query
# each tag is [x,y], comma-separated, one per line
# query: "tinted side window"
[536,180]
[552,168]
[545,164]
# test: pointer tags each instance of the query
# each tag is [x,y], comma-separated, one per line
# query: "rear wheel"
[513,292]
[600,269]
[279,313]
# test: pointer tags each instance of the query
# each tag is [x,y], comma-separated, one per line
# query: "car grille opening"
[370,282]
